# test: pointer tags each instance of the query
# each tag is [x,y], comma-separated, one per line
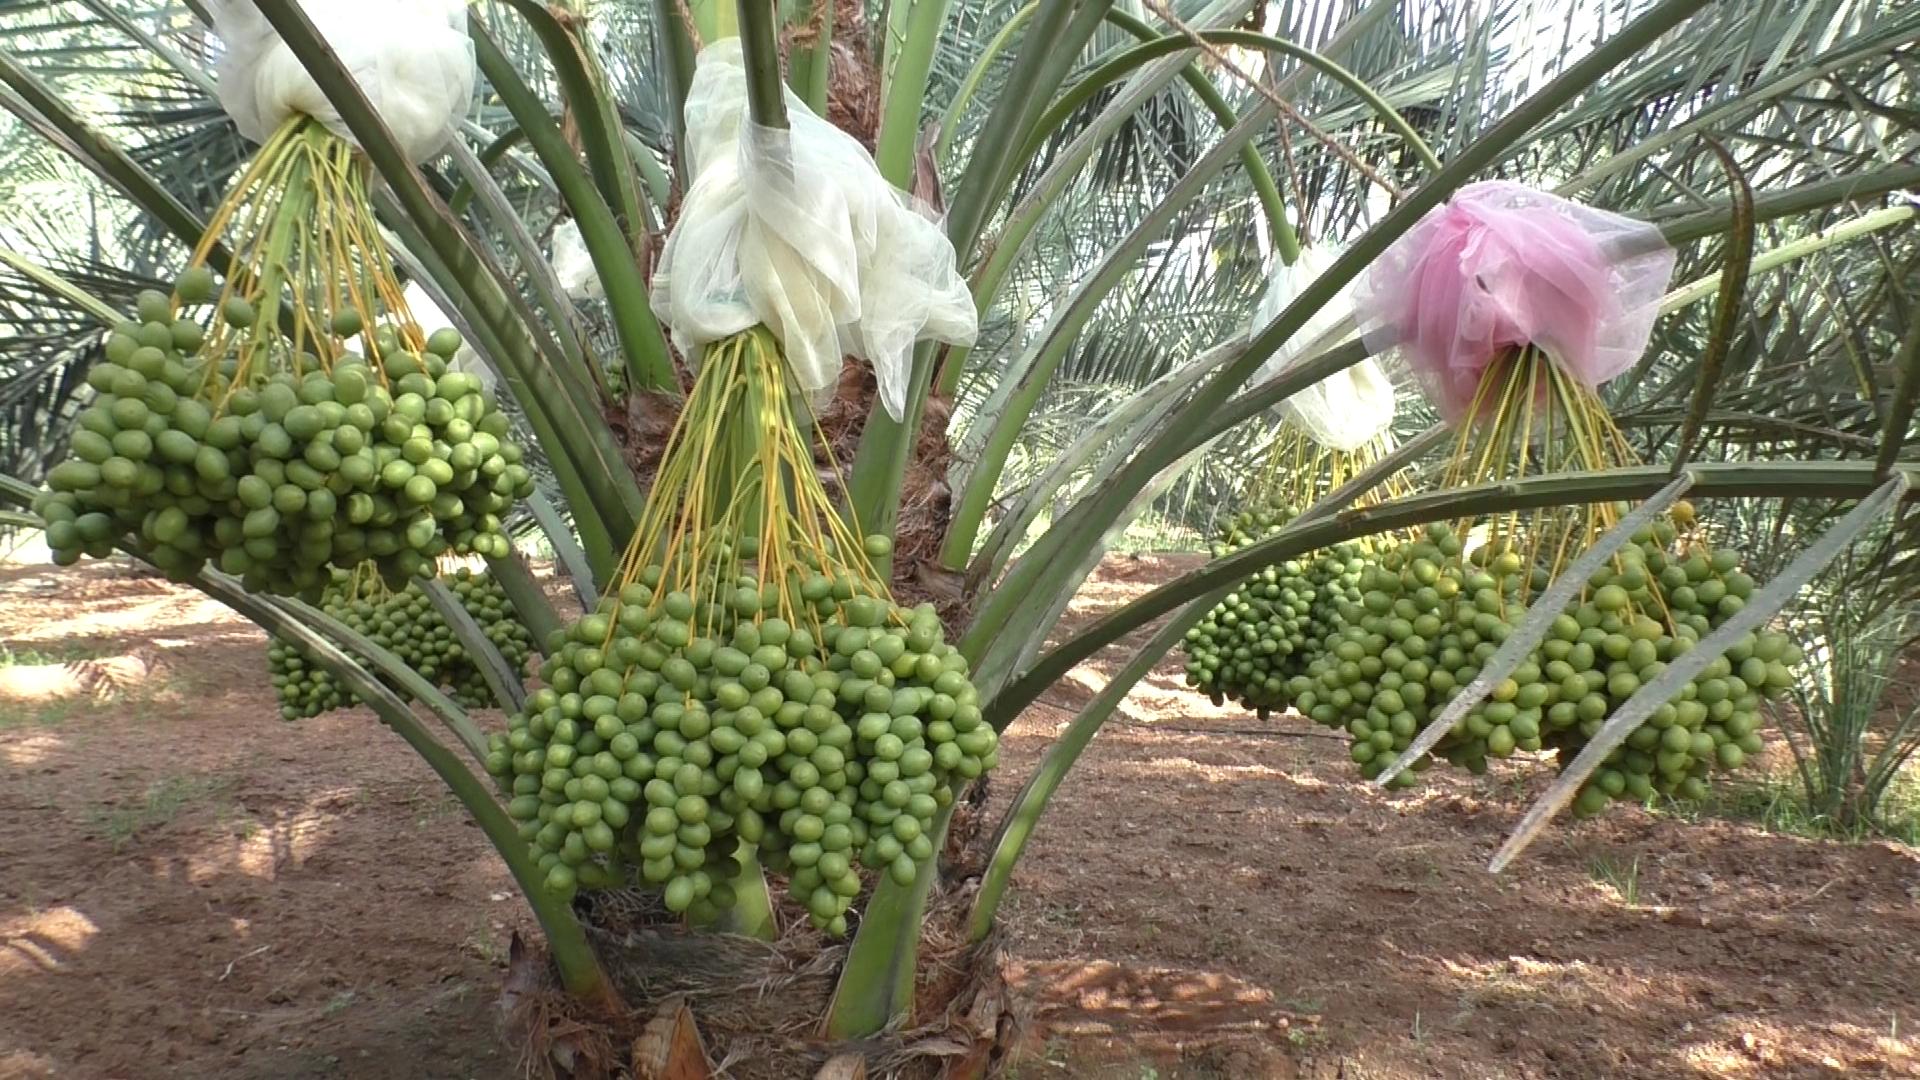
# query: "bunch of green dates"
[1251,645]
[408,624]
[823,731]
[1429,619]
[281,469]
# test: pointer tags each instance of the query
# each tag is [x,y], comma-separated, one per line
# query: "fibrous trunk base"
[755,1007]
[926,499]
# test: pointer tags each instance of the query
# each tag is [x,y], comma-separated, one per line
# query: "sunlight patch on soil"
[1737,1047]
[24,1063]
[1523,981]
[263,851]
[99,678]
[1206,771]
[1087,679]
[1101,997]
[114,620]
[43,941]
[1148,698]
[27,750]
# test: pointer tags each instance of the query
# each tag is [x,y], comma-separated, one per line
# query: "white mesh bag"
[1349,408]
[412,58]
[573,265]
[796,229]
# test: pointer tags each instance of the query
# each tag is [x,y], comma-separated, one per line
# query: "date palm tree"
[1117,181]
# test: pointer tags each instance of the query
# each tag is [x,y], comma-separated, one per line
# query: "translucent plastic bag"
[797,230]
[1349,408]
[1346,410]
[1283,288]
[572,264]
[1502,265]
[411,57]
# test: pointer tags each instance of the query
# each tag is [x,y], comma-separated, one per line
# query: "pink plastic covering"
[1502,265]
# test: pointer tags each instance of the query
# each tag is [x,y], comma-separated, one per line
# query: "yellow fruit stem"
[304,234]
[739,464]
[1530,415]
[365,583]
[1297,471]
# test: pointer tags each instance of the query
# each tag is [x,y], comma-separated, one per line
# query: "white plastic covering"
[1345,410]
[572,265]
[797,230]
[1349,408]
[411,57]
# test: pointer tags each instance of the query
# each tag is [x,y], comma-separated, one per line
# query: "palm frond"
[50,344]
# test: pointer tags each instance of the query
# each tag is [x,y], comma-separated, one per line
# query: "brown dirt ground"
[191,888]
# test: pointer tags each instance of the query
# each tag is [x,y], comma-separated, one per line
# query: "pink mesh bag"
[1502,265]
